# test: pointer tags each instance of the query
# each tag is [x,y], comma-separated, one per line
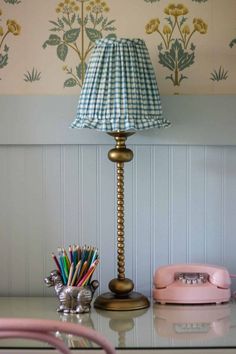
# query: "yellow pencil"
[70,274]
[82,270]
[75,274]
[88,275]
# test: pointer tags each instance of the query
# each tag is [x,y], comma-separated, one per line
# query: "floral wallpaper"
[75,19]
[11,28]
[176,50]
[45,45]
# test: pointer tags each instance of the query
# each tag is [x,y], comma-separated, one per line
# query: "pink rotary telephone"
[191,284]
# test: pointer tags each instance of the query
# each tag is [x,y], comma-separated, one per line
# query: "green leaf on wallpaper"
[82,22]
[66,21]
[169,20]
[70,83]
[13,2]
[6,48]
[110,29]
[73,17]
[32,76]
[92,18]
[111,36]
[99,20]
[57,24]
[85,20]
[184,59]
[176,57]
[219,75]
[71,35]
[104,22]
[93,34]
[166,60]
[3,60]
[183,19]
[60,22]
[110,22]
[81,68]
[232,43]
[52,40]
[107,26]
[62,51]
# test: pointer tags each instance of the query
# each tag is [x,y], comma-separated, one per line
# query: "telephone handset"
[191,284]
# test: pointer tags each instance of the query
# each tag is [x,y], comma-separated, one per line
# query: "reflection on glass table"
[158,327]
[121,322]
[195,322]
[75,341]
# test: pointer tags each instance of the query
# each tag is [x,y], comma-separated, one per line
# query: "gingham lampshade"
[120,90]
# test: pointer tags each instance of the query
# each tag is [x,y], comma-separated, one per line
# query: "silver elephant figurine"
[72,299]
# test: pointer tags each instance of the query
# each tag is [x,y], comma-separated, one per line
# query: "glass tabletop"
[158,327]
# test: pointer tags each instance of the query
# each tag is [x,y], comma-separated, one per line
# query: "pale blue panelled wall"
[180,207]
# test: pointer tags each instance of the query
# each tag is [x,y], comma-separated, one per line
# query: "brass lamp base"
[132,301]
[122,297]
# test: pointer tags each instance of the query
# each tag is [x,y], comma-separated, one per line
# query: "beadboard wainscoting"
[179,207]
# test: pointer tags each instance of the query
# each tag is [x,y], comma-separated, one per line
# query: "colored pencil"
[88,274]
[70,274]
[62,270]
[71,255]
[57,263]
[67,259]
[77,269]
[65,264]
[75,273]
[83,268]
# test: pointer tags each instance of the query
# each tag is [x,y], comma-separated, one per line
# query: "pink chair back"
[44,330]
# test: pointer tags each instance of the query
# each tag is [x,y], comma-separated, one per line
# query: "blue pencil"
[62,270]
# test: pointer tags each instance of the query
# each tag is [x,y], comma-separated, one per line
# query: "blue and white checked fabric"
[120,90]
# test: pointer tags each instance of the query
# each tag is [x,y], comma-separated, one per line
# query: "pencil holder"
[72,299]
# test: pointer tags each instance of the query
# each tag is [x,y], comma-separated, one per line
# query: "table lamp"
[120,96]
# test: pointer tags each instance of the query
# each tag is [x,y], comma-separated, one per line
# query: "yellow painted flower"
[186,29]
[97,7]
[1,31]
[67,7]
[166,29]
[176,10]
[200,25]
[13,27]
[152,26]
[64,67]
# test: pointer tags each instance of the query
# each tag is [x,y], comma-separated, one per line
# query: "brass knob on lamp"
[121,287]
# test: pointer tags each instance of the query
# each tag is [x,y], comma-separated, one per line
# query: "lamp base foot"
[133,301]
